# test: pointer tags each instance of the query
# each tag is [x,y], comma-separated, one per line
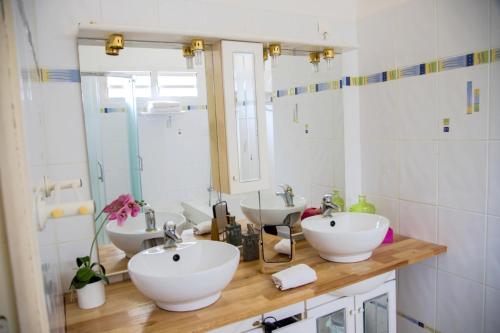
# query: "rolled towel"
[294,276]
[310,212]
[188,235]
[283,246]
[202,228]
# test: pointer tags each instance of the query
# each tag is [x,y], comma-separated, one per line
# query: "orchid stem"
[98,230]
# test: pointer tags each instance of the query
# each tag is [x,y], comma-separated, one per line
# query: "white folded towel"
[202,228]
[283,246]
[294,276]
[188,235]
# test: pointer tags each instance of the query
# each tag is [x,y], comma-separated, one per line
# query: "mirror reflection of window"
[177,84]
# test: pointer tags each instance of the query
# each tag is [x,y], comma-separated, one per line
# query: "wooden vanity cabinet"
[371,312]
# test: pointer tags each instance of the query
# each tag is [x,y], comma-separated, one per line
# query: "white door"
[333,317]
[376,310]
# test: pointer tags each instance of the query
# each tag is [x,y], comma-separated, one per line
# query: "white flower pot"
[91,296]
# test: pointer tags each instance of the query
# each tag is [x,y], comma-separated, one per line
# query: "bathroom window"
[142,85]
[117,86]
[177,84]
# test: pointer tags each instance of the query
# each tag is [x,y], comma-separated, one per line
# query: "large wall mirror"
[148,128]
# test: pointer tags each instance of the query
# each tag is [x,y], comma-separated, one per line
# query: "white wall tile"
[130,12]
[416,293]
[495,99]
[387,207]
[57,27]
[491,317]
[493,252]
[406,326]
[379,112]
[380,168]
[64,120]
[463,234]
[418,171]
[418,221]
[494,178]
[463,26]
[417,104]
[411,17]
[74,228]
[452,102]
[495,23]
[376,37]
[460,304]
[462,175]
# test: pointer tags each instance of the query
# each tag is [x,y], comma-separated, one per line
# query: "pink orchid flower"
[122,215]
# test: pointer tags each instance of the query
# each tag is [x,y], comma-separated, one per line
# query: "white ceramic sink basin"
[273,211]
[130,235]
[345,237]
[185,278]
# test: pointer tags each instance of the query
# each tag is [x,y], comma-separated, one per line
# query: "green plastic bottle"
[338,200]
[362,206]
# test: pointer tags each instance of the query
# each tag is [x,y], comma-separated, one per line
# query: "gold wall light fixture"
[275,52]
[187,53]
[197,47]
[314,59]
[328,55]
[265,54]
[110,51]
[114,44]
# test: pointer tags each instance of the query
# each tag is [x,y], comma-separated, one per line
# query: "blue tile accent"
[446,129]
[410,71]
[422,69]
[347,80]
[384,76]
[323,86]
[470,59]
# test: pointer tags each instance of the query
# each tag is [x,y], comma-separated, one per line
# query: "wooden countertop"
[249,294]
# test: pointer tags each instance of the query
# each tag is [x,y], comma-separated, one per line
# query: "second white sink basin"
[130,235]
[345,237]
[273,208]
[188,277]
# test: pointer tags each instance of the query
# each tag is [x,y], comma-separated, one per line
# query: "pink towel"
[310,212]
[389,236]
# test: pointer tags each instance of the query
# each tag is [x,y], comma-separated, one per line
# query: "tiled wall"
[308,128]
[436,184]
[34,118]
[60,151]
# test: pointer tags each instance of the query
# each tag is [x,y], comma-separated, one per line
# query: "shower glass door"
[112,144]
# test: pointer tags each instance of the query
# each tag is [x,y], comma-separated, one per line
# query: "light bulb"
[329,63]
[274,61]
[315,67]
[198,57]
[189,62]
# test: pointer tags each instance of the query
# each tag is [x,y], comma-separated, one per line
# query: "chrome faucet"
[287,194]
[171,238]
[149,214]
[328,207]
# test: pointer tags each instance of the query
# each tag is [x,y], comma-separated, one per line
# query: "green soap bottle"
[338,200]
[362,206]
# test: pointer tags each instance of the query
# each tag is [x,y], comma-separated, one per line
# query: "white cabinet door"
[376,310]
[333,317]
[245,118]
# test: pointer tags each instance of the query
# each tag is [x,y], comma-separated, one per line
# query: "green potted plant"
[90,276]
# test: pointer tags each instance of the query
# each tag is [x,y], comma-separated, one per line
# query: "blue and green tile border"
[434,66]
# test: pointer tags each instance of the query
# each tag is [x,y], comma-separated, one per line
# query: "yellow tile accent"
[44,75]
